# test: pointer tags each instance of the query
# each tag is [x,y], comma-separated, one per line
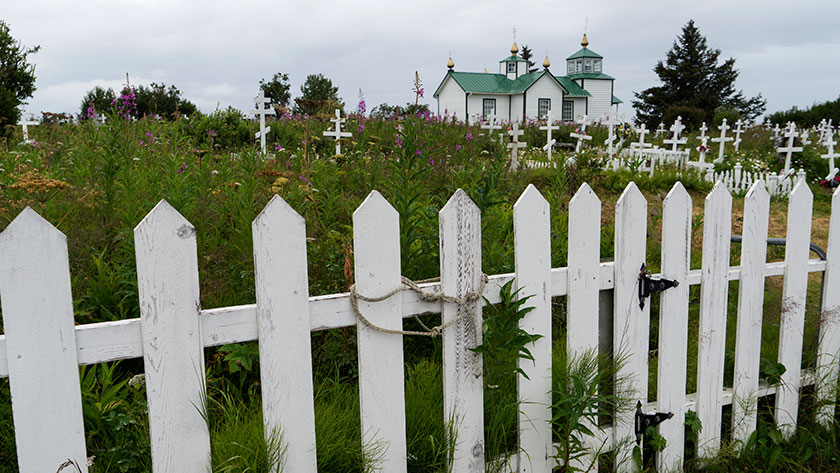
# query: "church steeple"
[584,42]
[514,50]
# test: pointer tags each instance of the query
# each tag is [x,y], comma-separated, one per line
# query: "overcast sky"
[216,51]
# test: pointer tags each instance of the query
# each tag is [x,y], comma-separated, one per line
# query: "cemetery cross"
[337,133]
[515,144]
[261,102]
[549,142]
[791,135]
[721,140]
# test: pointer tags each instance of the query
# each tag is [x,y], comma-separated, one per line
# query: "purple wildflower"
[398,141]
[469,136]
[457,147]
[182,168]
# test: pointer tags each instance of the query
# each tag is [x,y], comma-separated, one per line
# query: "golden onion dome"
[584,42]
[514,49]
[546,63]
[450,64]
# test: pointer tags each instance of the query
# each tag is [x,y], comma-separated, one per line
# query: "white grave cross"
[660,129]
[580,134]
[261,101]
[704,142]
[721,140]
[791,135]
[515,144]
[337,133]
[675,140]
[549,141]
[776,132]
[611,138]
[829,143]
[642,131]
[739,128]
[24,124]
[491,126]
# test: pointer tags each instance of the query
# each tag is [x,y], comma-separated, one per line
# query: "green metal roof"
[585,52]
[522,82]
[590,75]
[513,58]
[616,100]
[572,87]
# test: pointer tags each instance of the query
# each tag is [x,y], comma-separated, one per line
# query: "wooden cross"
[675,140]
[549,142]
[491,125]
[580,134]
[721,140]
[642,131]
[610,134]
[804,139]
[24,124]
[704,142]
[515,144]
[776,131]
[829,144]
[791,135]
[262,101]
[738,130]
[337,133]
[660,129]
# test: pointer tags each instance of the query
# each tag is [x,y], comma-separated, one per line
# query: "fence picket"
[714,290]
[828,350]
[631,324]
[794,292]
[282,290]
[463,387]
[167,283]
[41,345]
[584,278]
[376,246]
[673,325]
[532,244]
[750,311]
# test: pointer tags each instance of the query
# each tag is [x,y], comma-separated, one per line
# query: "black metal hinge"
[648,285]
[643,421]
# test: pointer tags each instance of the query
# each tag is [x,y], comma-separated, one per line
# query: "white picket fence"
[42,348]
[738,181]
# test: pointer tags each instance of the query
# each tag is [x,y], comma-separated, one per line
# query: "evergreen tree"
[317,93]
[99,98]
[17,77]
[527,55]
[692,79]
[277,89]
[166,102]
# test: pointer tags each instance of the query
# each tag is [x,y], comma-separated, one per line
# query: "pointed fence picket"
[41,348]
[794,292]
[750,312]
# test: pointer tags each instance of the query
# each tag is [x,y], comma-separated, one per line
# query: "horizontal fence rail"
[42,345]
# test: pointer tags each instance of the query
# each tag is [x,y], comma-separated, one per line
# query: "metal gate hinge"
[648,285]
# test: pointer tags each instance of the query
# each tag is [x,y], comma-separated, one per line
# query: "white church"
[514,94]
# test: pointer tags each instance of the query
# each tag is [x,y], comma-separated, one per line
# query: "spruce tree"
[17,77]
[527,54]
[692,79]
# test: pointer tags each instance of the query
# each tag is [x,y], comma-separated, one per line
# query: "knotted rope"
[466,304]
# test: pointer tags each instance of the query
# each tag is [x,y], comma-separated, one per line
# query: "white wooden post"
[584,278]
[282,290]
[376,246]
[794,292]
[828,350]
[750,312]
[463,386]
[41,345]
[673,325]
[532,254]
[631,324]
[173,355]
[714,291]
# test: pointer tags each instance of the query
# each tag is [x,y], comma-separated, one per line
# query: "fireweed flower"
[305,180]
[431,162]
[398,142]
[278,147]
[182,168]
[361,127]
[469,136]
[457,147]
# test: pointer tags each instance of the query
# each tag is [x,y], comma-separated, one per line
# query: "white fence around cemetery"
[41,348]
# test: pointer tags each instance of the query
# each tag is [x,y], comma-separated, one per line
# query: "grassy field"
[95,183]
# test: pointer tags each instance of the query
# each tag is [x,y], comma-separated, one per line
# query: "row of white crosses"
[337,133]
[24,124]
[262,109]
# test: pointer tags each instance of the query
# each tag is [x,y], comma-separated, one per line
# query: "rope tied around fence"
[466,303]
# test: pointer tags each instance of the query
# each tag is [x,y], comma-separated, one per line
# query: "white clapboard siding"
[167,282]
[38,323]
[673,325]
[750,311]
[582,303]
[463,386]
[532,250]
[631,324]
[794,292]
[282,290]
[714,291]
[376,248]
[828,351]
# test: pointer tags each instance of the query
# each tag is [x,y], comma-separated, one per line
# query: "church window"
[511,67]
[489,107]
[597,65]
[568,110]
[570,69]
[578,66]
[587,65]
[543,105]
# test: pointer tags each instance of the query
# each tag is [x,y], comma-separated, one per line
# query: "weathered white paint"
[460,274]
[750,312]
[452,100]
[714,291]
[600,103]
[282,290]
[673,325]
[532,250]
[631,324]
[828,350]
[794,292]
[376,247]
[38,323]
[167,282]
